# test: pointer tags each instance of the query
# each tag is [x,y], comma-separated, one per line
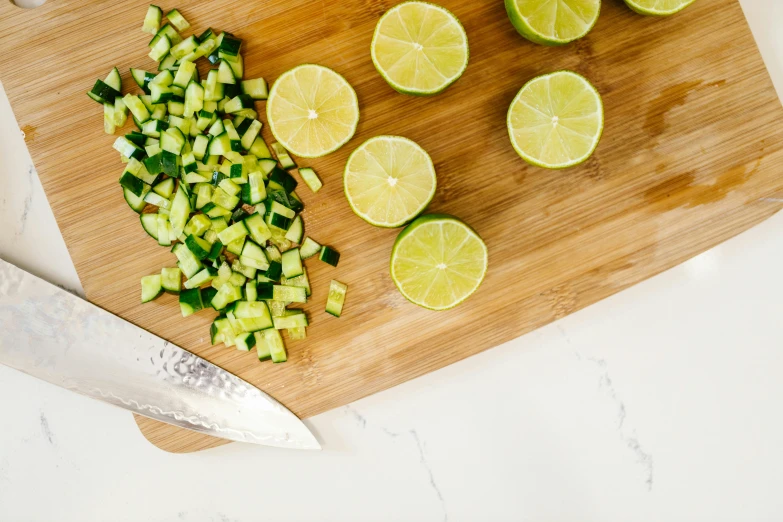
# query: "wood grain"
[690,157]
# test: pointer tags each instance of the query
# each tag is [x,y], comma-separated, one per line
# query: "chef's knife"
[55,336]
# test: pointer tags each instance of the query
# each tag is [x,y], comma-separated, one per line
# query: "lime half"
[556,120]
[312,111]
[389,180]
[658,7]
[553,22]
[420,48]
[438,261]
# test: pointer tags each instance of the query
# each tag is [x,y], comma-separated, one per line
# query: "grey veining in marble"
[65,340]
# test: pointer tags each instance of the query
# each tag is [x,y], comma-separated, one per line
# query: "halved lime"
[438,261]
[312,111]
[419,48]
[389,180]
[556,120]
[658,7]
[553,22]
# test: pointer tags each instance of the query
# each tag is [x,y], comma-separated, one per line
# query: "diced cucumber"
[184,74]
[336,300]
[250,135]
[229,187]
[237,279]
[160,49]
[277,208]
[142,78]
[262,348]
[284,179]
[149,222]
[329,255]
[251,291]
[277,308]
[227,294]
[198,225]
[237,103]
[164,230]
[283,157]
[177,20]
[190,302]
[180,210]
[169,32]
[295,231]
[292,263]
[256,88]
[237,65]
[201,278]
[127,148]
[213,89]
[171,280]
[293,319]
[264,290]
[188,263]
[151,288]
[225,73]
[152,20]
[165,188]
[235,247]
[222,331]
[254,192]
[233,233]
[297,334]
[200,146]
[156,199]
[255,263]
[301,281]
[276,346]
[194,99]
[309,248]
[253,251]
[275,270]
[198,246]
[253,316]
[103,93]
[293,294]
[273,253]
[259,149]
[310,178]
[245,341]
[132,183]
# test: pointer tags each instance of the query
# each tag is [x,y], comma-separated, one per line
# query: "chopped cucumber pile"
[206,185]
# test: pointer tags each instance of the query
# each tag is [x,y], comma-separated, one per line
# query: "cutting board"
[691,156]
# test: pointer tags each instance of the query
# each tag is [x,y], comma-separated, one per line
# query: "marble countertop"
[660,403]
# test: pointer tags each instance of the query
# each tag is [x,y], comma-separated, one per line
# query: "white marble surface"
[660,403]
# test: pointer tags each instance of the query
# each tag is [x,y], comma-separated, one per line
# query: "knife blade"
[60,338]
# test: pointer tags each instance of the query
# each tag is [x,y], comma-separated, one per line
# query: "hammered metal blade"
[55,336]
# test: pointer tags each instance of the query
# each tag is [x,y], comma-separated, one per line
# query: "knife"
[55,336]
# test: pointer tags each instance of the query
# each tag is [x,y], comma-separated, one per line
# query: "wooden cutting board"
[690,157]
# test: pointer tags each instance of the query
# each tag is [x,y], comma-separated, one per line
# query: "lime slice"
[389,180]
[553,22]
[658,7]
[312,111]
[420,48]
[556,120]
[438,261]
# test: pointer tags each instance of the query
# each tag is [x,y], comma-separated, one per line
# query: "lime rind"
[403,89]
[365,215]
[347,135]
[526,29]
[430,219]
[574,161]
[636,7]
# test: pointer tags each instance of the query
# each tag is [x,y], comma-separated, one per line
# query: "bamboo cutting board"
[691,156]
